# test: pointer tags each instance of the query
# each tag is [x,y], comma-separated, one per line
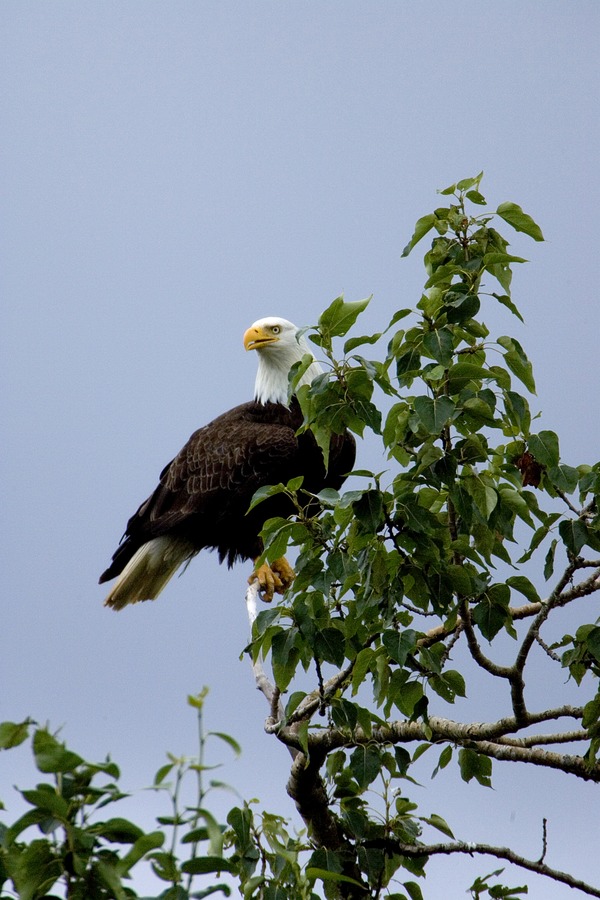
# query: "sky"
[169,173]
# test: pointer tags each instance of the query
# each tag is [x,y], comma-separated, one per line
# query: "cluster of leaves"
[83,856]
[65,846]
[424,542]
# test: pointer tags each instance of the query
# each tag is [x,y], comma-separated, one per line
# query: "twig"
[544,840]
[270,691]
[554,656]
[565,499]
[539,867]
[536,740]
[476,652]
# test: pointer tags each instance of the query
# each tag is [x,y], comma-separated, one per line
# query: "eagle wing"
[228,459]
[204,493]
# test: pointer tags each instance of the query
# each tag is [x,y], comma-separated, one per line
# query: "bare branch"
[441,632]
[546,608]
[476,652]
[539,866]
[544,840]
[553,656]
[315,699]
[535,740]
[270,691]
[484,738]
[566,500]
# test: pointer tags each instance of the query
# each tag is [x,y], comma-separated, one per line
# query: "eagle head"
[279,347]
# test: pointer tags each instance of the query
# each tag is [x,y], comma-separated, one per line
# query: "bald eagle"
[203,495]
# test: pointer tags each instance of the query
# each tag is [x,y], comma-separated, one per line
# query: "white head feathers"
[279,347]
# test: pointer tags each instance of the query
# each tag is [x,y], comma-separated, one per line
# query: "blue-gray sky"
[169,173]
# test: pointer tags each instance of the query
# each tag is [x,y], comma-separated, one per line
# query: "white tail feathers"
[149,570]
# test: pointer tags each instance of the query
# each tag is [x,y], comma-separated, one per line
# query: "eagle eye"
[275,329]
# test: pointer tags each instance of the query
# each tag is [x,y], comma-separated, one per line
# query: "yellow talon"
[273,579]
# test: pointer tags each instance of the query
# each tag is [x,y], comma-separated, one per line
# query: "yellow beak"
[255,338]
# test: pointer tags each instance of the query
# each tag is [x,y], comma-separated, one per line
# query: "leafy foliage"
[391,575]
[397,569]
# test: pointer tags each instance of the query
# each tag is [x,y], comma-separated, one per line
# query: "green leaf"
[201,865]
[312,873]
[549,561]
[460,306]
[439,344]
[365,764]
[484,495]
[409,698]
[460,580]
[524,586]
[466,183]
[451,189]
[32,817]
[330,646]
[439,823]
[298,370]
[473,765]
[13,733]
[264,492]
[227,739]
[325,860]
[591,640]
[48,801]
[520,221]
[143,845]
[505,300]
[564,477]
[162,773]
[476,197]
[445,757]
[369,510]
[362,665]
[464,373]
[240,820]
[455,682]
[285,657]
[517,410]
[35,870]
[544,446]
[408,364]
[517,361]
[117,830]
[340,316]
[108,876]
[51,755]
[434,413]
[399,644]
[491,613]
[574,533]
[423,225]
[344,714]
[500,258]
[354,342]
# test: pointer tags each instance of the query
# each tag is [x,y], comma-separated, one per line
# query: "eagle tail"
[149,570]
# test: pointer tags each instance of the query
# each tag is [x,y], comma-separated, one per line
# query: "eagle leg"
[274,578]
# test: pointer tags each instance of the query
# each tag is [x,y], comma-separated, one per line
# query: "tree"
[393,577]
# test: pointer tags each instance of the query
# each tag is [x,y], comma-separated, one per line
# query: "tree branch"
[539,867]
[476,652]
[307,789]
[535,740]
[484,738]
